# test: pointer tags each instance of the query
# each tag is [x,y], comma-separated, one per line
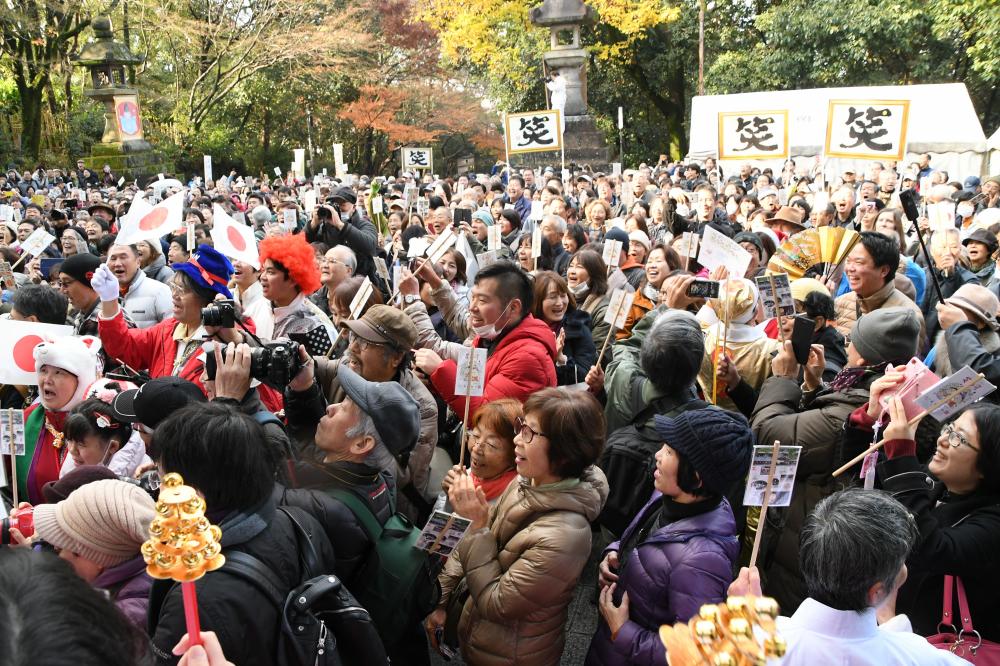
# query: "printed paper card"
[442,533]
[470,375]
[951,394]
[784,475]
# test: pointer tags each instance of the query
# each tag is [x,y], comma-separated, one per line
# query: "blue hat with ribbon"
[209,269]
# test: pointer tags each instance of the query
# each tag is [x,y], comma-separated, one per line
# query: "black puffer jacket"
[579,349]
[243,618]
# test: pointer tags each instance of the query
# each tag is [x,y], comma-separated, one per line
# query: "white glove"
[105,284]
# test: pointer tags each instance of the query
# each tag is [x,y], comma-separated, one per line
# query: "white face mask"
[580,289]
[490,331]
[731,208]
[965,210]
[683,210]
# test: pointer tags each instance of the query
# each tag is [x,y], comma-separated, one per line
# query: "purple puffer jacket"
[668,577]
[128,585]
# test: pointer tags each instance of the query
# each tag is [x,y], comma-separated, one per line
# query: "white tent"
[942,122]
[993,153]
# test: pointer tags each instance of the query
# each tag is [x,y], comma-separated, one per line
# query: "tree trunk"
[32,98]
[265,141]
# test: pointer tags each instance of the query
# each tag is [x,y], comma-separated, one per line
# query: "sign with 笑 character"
[866,129]
[533,132]
[418,158]
[745,135]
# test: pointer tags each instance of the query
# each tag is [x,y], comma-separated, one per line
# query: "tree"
[35,38]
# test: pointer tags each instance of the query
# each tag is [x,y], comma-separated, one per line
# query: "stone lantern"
[122,146]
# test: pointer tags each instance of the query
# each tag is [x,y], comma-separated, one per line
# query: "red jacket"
[522,363]
[154,349]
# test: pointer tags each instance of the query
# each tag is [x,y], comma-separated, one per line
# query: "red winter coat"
[154,349]
[523,362]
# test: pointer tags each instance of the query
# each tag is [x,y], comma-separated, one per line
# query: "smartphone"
[802,334]
[462,215]
[703,289]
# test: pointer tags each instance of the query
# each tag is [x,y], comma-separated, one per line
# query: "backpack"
[627,459]
[401,586]
[322,624]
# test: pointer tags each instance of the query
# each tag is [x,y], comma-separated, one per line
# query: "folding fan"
[800,252]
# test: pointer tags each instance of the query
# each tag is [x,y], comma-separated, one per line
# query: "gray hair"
[672,352]
[379,456]
[350,259]
[560,222]
[854,539]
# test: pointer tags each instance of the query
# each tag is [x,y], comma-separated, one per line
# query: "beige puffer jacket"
[522,571]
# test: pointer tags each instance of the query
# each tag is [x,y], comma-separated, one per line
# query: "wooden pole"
[13,457]
[468,397]
[764,505]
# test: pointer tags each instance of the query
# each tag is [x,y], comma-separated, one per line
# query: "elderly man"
[516,197]
[379,351]
[553,228]
[843,202]
[853,557]
[338,264]
[946,250]
[968,319]
[144,300]
[342,224]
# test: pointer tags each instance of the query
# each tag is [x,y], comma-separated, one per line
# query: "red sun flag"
[236,239]
[18,340]
[233,239]
[153,219]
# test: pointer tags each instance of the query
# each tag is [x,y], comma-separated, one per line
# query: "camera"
[219,313]
[274,364]
[703,289]
[24,521]
[325,212]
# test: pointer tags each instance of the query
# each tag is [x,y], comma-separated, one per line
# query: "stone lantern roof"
[562,12]
[105,50]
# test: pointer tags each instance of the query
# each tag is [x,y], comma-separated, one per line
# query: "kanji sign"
[753,135]
[127,117]
[533,132]
[418,158]
[867,129]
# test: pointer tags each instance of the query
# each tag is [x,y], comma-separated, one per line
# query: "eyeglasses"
[527,434]
[363,343]
[955,438]
[65,284]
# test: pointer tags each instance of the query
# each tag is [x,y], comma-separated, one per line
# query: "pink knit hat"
[104,521]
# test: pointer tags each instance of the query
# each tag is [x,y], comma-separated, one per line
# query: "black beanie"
[716,442]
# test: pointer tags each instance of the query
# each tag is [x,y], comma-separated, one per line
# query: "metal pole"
[621,135]
[701,47]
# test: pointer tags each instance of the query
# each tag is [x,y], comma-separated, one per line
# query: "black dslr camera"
[274,364]
[219,313]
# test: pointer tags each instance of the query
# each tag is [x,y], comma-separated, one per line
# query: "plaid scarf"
[850,377]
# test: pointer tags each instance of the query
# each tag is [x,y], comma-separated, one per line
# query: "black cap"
[984,236]
[343,194]
[80,267]
[155,400]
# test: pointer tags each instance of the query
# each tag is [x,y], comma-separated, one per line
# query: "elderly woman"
[73,240]
[99,530]
[153,263]
[491,449]
[65,368]
[522,558]
[679,550]
[597,213]
[173,346]
[955,499]
[575,349]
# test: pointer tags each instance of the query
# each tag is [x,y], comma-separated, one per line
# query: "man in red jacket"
[521,350]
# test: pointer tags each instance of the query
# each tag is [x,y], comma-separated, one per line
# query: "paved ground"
[583,616]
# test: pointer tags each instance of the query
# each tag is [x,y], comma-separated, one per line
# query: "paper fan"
[800,252]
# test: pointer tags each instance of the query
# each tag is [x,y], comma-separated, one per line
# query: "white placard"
[618,307]
[289,219]
[208,169]
[309,200]
[417,247]
[717,249]
[536,243]
[867,129]
[494,236]
[338,160]
[533,131]
[689,244]
[361,298]
[612,252]
[484,259]
[441,244]
[277,171]
[616,168]
[617,280]
[12,421]
[784,475]
[470,380]
[418,158]
[537,211]
[36,243]
[382,269]
[753,135]
[951,394]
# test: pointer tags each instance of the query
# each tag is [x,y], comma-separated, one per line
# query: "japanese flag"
[136,210]
[18,340]
[233,239]
[161,219]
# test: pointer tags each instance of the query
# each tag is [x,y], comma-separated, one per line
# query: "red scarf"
[494,487]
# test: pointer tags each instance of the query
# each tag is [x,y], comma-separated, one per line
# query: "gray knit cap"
[887,335]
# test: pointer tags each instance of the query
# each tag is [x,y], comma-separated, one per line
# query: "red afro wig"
[296,255]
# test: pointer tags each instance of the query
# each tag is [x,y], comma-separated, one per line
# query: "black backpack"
[322,623]
[627,460]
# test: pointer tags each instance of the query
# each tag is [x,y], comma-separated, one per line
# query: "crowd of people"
[314,399]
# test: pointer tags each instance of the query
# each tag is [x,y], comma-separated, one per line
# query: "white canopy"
[942,122]
[993,149]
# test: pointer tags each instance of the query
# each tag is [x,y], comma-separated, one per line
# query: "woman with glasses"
[522,558]
[955,498]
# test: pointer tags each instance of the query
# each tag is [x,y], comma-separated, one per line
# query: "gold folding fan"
[800,252]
